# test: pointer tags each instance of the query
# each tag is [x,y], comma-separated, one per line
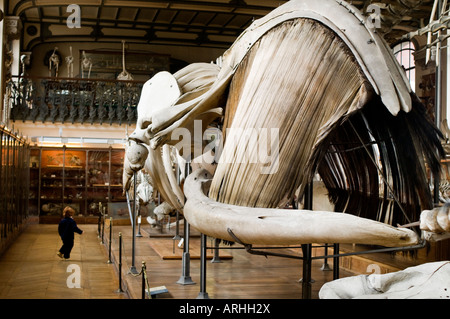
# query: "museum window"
[404,52]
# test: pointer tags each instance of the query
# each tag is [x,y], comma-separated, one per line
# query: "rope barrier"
[142,272]
[145,284]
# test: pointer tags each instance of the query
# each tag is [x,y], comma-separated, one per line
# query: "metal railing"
[73,100]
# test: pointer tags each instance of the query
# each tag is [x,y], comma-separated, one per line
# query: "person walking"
[67,229]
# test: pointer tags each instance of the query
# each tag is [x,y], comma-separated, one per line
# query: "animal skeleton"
[53,63]
[124,75]
[86,64]
[69,61]
[340,83]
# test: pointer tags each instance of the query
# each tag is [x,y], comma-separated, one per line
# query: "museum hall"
[227,150]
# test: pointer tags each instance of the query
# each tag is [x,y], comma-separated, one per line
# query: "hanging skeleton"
[53,64]
[124,75]
[69,62]
[340,106]
[86,65]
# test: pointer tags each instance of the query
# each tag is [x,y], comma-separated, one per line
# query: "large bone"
[427,281]
[435,223]
[158,93]
[135,156]
[281,226]
[154,165]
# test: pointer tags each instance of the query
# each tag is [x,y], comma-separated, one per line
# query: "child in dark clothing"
[66,229]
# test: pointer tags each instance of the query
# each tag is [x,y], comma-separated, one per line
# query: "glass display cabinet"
[14,187]
[80,178]
[98,179]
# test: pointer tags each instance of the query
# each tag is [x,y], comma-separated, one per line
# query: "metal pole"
[103,226]
[306,280]
[325,266]
[185,278]
[120,263]
[216,257]
[177,225]
[133,226]
[336,262]
[110,240]
[437,116]
[100,219]
[307,249]
[203,294]
[143,280]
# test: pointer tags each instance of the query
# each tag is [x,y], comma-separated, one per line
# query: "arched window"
[404,53]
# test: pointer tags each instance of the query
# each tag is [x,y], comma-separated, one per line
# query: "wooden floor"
[31,269]
[239,275]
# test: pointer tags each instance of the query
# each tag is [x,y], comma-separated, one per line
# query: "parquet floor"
[31,269]
[243,276]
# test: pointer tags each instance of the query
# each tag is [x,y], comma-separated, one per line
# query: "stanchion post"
[110,240]
[143,279]
[103,225]
[99,220]
[120,263]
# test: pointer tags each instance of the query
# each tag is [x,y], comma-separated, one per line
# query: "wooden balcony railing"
[73,100]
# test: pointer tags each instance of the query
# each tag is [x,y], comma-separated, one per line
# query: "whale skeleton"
[364,71]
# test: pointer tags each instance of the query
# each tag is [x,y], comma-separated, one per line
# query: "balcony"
[73,100]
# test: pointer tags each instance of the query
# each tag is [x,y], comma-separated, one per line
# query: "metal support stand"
[216,257]
[177,221]
[203,294]
[325,266]
[307,249]
[177,231]
[185,278]
[437,110]
[133,269]
[336,262]
[306,280]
